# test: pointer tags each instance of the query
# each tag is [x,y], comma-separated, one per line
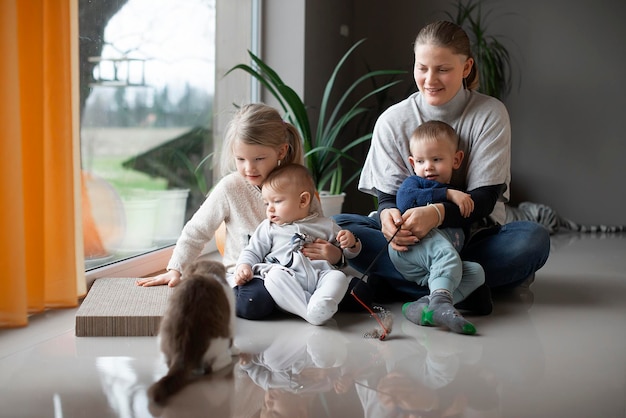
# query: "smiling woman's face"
[439,72]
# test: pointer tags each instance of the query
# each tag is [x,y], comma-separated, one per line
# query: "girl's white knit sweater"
[233,201]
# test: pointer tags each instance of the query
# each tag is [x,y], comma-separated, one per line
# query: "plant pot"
[170,217]
[153,217]
[140,223]
[331,203]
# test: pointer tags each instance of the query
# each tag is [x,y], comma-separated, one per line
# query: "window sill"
[140,266]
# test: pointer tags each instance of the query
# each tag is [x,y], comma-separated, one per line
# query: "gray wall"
[566,113]
[567,116]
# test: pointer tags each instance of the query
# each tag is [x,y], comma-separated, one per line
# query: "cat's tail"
[176,378]
[548,217]
[573,226]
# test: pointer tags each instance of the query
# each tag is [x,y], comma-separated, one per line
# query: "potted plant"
[492,57]
[324,152]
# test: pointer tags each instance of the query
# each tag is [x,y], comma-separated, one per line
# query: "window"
[148,96]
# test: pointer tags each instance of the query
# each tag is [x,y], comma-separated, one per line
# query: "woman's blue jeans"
[509,254]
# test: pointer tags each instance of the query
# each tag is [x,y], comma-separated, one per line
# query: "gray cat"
[196,333]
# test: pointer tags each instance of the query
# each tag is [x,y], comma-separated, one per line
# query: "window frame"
[237,31]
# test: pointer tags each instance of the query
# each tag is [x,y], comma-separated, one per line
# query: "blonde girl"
[257,140]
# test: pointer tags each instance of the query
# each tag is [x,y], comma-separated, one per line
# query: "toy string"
[376,317]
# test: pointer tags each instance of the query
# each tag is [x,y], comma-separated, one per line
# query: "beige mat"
[118,307]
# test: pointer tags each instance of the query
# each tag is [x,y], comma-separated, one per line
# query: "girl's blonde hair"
[450,35]
[260,124]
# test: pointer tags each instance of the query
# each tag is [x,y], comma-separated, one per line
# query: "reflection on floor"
[557,350]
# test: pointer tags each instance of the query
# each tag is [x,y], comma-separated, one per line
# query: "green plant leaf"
[493,60]
[323,157]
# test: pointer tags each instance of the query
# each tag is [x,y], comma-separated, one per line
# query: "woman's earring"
[465,83]
[279,161]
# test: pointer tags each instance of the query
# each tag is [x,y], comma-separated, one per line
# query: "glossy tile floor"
[558,350]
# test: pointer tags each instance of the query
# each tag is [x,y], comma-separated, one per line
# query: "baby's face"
[434,160]
[284,206]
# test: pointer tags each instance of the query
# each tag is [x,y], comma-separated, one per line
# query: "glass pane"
[147,85]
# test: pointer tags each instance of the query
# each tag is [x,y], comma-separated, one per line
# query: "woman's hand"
[170,278]
[322,250]
[421,220]
[390,221]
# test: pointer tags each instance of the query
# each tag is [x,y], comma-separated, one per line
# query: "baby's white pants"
[315,307]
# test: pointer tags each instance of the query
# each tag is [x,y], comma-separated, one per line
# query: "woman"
[446,76]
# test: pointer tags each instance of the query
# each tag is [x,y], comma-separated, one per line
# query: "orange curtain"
[39,249]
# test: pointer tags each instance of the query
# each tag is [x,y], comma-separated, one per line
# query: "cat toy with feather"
[384,317]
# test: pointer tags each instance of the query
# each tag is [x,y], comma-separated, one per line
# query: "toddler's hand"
[462,200]
[346,239]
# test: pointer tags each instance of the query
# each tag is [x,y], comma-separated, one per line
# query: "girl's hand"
[390,220]
[170,278]
[243,274]
[322,250]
